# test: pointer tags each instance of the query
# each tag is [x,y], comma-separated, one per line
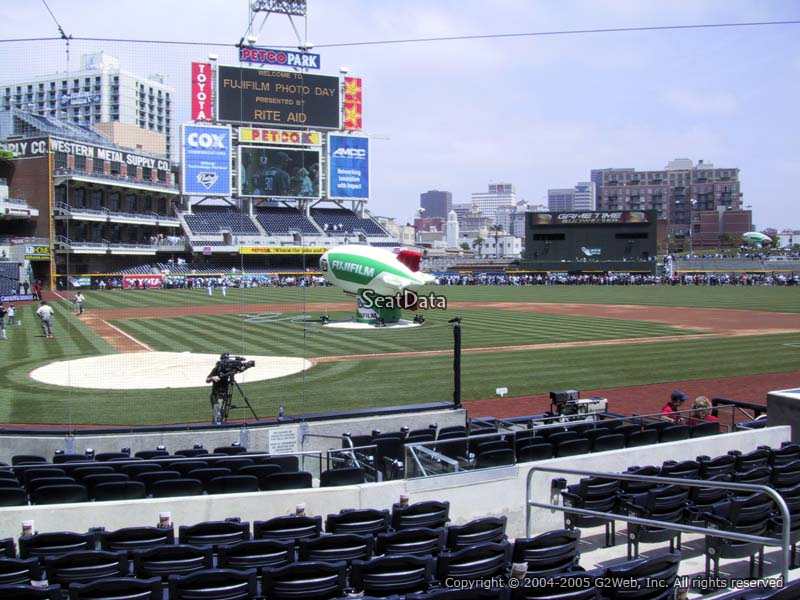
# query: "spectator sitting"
[702,411]
[673,406]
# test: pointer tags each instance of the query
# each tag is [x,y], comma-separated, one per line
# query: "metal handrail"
[784,541]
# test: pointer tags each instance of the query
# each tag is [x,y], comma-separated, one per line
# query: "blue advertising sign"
[348,167]
[206,160]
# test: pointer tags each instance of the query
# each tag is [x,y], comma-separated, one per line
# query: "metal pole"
[456,362]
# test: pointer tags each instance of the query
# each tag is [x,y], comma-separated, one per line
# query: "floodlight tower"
[290,8]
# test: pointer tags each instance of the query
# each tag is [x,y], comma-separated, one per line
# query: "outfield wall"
[496,492]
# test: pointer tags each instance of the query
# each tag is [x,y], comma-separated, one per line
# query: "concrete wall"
[783,408]
[474,494]
[262,438]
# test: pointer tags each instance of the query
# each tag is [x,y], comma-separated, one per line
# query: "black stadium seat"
[176,487]
[122,588]
[29,592]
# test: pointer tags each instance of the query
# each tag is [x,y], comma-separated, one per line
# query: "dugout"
[591,241]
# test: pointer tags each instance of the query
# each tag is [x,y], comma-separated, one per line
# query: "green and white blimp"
[383,282]
[757,239]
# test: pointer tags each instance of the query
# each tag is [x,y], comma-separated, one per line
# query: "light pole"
[420,212]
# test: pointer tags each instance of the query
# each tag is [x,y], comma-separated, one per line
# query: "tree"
[497,229]
[478,243]
[726,239]
[464,246]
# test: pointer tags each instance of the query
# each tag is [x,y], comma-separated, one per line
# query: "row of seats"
[412,577]
[280,220]
[9,278]
[156,473]
[283,220]
[732,510]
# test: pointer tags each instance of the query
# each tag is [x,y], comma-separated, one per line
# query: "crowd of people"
[712,279]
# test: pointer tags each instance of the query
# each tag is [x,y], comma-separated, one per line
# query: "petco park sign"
[286,58]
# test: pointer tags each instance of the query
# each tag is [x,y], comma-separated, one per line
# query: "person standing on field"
[3,313]
[79,299]
[45,313]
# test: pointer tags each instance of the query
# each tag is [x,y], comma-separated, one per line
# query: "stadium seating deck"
[284,220]
[206,219]
[339,221]
[9,278]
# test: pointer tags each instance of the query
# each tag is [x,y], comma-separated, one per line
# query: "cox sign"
[206,160]
[206,140]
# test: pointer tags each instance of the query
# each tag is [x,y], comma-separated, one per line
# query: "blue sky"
[538,112]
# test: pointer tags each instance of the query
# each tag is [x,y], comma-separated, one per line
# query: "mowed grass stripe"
[767,298]
[481,328]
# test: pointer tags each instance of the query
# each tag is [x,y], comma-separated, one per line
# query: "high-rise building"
[560,199]
[679,192]
[499,194]
[580,197]
[596,178]
[100,92]
[436,203]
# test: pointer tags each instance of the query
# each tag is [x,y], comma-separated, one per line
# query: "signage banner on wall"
[348,167]
[206,160]
[589,218]
[280,136]
[282,98]
[281,250]
[202,109]
[284,58]
[37,252]
[135,282]
[353,109]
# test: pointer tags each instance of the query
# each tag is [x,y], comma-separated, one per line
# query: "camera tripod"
[222,402]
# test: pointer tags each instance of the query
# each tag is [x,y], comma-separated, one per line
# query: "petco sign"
[206,160]
[286,58]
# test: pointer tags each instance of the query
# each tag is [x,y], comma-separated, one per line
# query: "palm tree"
[478,243]
[497,230]
[464,246]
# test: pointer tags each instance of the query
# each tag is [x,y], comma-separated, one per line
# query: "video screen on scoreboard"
[278,172]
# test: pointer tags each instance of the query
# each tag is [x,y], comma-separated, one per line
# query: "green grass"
[481,328]
[775,299]
[391,381]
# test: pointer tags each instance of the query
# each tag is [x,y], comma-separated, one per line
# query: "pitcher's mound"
[157,370]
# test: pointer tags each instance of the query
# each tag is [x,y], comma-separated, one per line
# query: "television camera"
[231,365]
[225,370]
[568,404]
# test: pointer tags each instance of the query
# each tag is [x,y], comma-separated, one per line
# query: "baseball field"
[529,340]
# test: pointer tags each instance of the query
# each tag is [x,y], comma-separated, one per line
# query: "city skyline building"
[674,191]
[579,197]
[499,194]
[100,92]
[436,203]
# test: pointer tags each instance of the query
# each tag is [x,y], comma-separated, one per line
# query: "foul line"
[130,337]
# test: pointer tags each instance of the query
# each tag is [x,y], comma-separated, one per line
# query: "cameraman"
[220,388]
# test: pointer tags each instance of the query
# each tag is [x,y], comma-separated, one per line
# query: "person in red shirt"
[673,406]
[702,411]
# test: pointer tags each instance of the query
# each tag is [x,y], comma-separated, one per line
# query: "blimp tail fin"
[393,281]
[410,258]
